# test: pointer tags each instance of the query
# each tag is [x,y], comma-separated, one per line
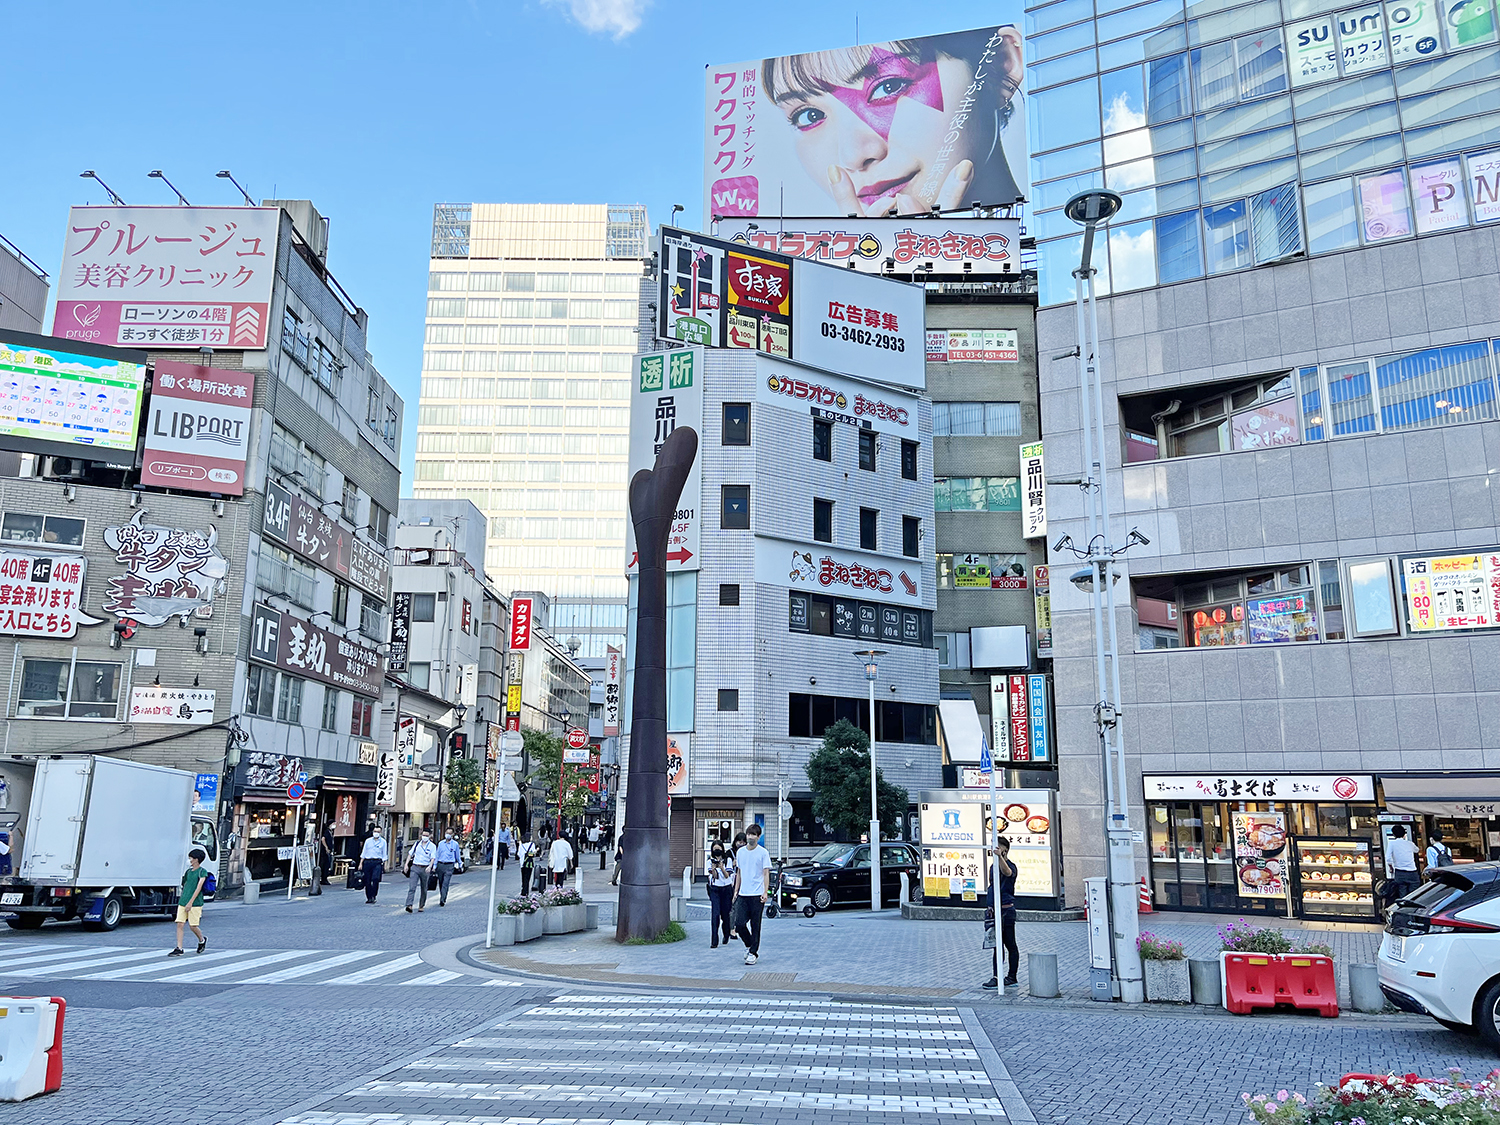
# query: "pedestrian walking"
[1438,853]
[720,895]
[325,842]
[1401,859]
[752,863]
[559,856]
[1007,920]
[734,848]
[419,864]
[614,880]
[372,858]
[528,856]
[190,901]
[448,860]
[502,844]
[594,837]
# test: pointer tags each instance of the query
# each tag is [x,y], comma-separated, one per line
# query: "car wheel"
[109,916]
[1487,1014]
[822,898]
[26,921]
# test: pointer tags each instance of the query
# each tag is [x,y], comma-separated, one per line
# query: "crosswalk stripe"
[740,1004]
[232,967]
[311,967]
[165,967]
[439,976]
[375,972]
[765,1029]
[501,984]
[864,1051]
[517,1065]
[91,962]
[861,1015]
[63,954]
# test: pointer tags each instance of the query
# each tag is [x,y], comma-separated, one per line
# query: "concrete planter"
[529,926]
[564,919]
[1168,982]
[506,929]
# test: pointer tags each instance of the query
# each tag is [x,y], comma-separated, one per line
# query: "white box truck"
[96,838]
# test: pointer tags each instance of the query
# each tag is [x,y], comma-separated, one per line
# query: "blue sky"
[376,111]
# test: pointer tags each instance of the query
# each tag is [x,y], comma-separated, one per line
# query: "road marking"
[440,976]
[311,967]
[232,967]
[56,954]
[375,972]
[165,967]
[92,962]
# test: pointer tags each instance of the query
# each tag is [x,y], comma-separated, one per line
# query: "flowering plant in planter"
[1242,937]
[562,896]
[1153,948]
[523,904]
[1389,1100]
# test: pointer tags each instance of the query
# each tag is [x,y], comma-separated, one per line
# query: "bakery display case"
[1335,879]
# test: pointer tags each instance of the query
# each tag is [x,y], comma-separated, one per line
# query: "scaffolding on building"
[629,232]
[450,230]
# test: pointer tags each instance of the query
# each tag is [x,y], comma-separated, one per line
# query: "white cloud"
[617,17]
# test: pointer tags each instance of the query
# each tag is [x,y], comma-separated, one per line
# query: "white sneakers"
[750,958]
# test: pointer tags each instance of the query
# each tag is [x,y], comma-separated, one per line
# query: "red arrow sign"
[680,555]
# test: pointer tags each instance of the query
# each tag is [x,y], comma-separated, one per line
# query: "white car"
[1440,955]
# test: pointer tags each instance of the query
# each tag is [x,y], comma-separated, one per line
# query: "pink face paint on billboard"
[895,77]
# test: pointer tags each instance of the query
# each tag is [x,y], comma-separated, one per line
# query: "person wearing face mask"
[720,895]
[447,860]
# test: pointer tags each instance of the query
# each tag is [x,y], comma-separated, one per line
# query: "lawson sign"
[955,825]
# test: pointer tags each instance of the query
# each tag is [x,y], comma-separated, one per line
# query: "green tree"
[545,753]
[465,778]
[840,777]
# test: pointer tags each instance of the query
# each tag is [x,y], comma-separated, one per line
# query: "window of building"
[289,699]
[736,427]
[340,610]
[909,460]
[293,457]
[911,536]
[977,494]
[372,618]
[734,507]
[809,716]
[50,531]
[869,521]
[729,699]
[68,689]
[362,717]
[330,709]
[822,445]
[260,691]
[349,504]
[380,524]
[1372,598]
[729,593]
[419,673]
[682,649]
[423,607]
[867,444]
[976,419]
[278,571]
[823,520]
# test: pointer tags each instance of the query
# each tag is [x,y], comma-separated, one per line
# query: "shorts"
[192,915]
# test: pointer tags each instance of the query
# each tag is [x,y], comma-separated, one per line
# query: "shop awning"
[960,732]
[1453,793]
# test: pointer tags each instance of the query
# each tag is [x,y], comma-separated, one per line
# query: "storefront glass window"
[1333,820]
[1332,218]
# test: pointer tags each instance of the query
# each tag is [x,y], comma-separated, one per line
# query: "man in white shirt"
[419,867]
[752,864]
[1401,859]
[372,859]
[558,858]
[593,837]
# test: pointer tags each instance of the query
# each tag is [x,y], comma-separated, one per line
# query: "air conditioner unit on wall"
[63,468]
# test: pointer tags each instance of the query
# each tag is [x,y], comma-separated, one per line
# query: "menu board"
[1260,865]
[1452,591]
[70,397]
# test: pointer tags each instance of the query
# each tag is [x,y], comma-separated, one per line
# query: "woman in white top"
[720,895]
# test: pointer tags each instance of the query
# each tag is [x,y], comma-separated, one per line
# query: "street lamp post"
[566,717]
[871,658]
[1089,209]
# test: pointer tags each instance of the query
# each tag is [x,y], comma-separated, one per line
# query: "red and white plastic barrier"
[31,1030]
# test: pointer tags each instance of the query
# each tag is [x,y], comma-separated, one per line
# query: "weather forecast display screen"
[66,397]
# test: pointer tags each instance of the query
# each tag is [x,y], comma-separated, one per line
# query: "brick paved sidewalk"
[857,952]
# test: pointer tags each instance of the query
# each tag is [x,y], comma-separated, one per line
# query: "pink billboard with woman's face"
[882,129]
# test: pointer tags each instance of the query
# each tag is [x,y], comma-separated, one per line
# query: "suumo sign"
[325,542]
[293,645]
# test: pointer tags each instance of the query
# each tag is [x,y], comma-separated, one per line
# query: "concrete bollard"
[1364,988]
[905,888]
[1041,975]
[578,880]
[591,914]
[252,891]
[1206,980]
[687,883]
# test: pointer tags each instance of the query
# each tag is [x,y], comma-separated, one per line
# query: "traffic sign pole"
[291,870]
[987,763]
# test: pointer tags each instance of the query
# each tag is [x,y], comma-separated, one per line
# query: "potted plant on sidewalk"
[526,912]
[563,911]
[1167,977]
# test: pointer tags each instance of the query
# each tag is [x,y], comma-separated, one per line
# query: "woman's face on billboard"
[874,139]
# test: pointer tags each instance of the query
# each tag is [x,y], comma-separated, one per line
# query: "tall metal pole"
[874,800]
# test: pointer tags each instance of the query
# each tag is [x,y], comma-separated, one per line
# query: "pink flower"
[1282,1095]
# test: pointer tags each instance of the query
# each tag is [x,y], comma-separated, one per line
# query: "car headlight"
[794,880]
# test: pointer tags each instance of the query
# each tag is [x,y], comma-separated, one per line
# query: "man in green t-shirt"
[190,901]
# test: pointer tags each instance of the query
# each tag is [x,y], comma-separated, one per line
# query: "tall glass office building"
[532,314]
[1246,133]
[1299,338]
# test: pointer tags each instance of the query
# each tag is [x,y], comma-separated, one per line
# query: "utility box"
[1096,899]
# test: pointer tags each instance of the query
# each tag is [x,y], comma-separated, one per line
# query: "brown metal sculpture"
[645,867]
